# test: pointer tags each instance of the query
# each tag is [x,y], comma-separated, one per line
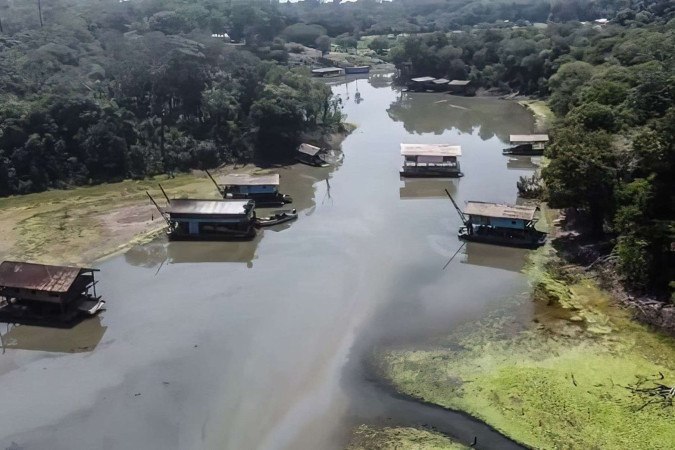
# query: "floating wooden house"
[263,189]
[459,87]
[328,72]
[311,155]
[421,84]
[190,219]
[526,144]
[39,294]
[431,160]
[493,223]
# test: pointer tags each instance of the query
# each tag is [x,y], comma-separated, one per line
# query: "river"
[260,345]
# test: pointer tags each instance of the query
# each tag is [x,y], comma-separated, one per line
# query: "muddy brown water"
[260,345]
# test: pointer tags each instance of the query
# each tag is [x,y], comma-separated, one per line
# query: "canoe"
[278,217]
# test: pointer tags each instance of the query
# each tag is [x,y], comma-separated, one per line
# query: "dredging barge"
[431,160]
[498,224]
[208,220]
[263,189]
[526,144]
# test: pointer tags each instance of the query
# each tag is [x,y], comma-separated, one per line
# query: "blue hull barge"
[263,189]
[209,220]
[497,224]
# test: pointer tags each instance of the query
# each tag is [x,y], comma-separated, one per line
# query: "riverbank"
[83,225]
[403,438]
[543,116]
[559,377]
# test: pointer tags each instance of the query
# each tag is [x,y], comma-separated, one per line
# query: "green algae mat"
[403,438]
[565,370]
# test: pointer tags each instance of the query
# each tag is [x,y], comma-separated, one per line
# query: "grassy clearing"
[385,438]
[83,224]
[557,382]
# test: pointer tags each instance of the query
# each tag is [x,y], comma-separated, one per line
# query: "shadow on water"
[84,337]
[525,163]
[421,188]
[504,258]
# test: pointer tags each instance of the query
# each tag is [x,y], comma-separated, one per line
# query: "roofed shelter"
[328,72]
[538,141]
[527,144]
[459,86]
[311,155]
[264,189]
[210,219]
[430,160]
[33,293]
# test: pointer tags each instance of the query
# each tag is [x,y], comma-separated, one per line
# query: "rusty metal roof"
[243,179]
[39,277]
[501,211]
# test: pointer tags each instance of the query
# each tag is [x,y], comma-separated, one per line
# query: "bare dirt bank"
[85,224]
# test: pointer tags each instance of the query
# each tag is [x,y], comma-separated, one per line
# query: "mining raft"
[431,160]
[263,189]
[210,220]
[526,144]
[499,224]
[46,295]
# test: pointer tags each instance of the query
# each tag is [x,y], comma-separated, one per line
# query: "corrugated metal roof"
[430,150]
[308,149]
[459,82]
[423,79]
[441,81]
[243,179]
[528,138]
[38,277]
[502,211]
[327,70]
[208,207]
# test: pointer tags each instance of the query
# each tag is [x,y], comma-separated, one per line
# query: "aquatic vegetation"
[403,438]
[562,380]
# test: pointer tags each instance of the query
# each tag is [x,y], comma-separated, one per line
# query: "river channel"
[260,345]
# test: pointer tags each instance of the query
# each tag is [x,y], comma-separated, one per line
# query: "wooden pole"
[214,181]
[40,12]
[459,211]
[163,192]
[158,208]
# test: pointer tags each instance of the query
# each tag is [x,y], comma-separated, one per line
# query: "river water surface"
[260,345]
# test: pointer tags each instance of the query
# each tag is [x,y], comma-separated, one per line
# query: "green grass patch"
[403,438]
[557,381]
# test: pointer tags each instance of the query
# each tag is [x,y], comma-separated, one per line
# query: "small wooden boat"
[357,69]
[282,216]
